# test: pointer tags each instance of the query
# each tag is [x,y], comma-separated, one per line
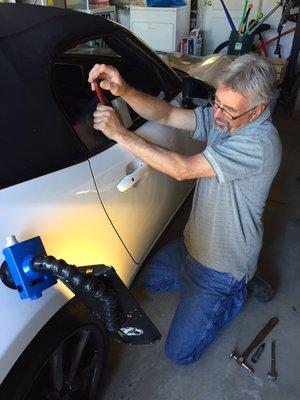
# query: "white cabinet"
[162,28]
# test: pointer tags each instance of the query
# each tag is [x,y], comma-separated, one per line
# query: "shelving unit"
[105,11]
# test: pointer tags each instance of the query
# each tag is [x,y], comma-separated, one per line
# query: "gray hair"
[250,75]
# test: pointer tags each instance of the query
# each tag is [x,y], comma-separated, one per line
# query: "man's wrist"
[126,92]
[122,135]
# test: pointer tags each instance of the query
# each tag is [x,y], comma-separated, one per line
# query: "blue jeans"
[208,300]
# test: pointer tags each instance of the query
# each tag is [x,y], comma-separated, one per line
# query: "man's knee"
[182,356]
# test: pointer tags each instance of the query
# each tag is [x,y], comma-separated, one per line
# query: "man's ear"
[259,109]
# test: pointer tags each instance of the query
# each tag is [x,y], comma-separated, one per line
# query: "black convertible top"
[30,117]
[33,126]
[18,18]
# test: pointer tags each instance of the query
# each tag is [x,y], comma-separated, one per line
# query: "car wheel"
[66,360]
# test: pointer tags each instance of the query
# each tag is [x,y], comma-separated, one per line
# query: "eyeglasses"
[213,103]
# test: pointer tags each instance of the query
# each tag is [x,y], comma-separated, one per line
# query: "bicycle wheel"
[222,48]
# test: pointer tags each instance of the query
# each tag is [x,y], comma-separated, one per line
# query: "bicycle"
[261,47]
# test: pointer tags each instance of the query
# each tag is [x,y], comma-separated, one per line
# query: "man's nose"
[218,113]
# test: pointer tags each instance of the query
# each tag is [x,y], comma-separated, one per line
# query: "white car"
[88,198]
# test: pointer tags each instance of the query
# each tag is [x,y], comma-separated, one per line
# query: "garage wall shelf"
[102,10]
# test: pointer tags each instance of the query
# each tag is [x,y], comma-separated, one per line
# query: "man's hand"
[107,121]
[110,79]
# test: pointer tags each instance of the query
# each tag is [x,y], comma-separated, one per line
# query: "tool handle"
[244,25]
[247,14]
[228,16]
[258,353]
[243,16]
[99,93]
[260,336]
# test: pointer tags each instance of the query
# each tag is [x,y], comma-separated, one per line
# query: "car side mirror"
[195,93]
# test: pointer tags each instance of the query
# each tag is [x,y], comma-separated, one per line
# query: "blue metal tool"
[28,269]
[29,282]
[228,16]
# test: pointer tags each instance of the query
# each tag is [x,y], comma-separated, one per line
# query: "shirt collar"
[264,116]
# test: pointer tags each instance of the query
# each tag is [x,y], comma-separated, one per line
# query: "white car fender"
[21,320]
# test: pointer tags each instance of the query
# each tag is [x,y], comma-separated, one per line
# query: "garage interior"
[183,33]
[145,372]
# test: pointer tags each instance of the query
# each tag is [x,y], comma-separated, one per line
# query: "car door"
[138,200]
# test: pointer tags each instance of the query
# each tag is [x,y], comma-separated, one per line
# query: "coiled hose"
[86,283]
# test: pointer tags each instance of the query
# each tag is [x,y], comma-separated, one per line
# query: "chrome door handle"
[129,180]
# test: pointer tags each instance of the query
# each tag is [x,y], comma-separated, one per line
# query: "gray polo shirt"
[225,230]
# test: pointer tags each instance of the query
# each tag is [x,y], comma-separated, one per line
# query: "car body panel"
[64,209]
[143,210]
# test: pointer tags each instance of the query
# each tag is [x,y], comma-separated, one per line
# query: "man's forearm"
[148,107]
[169,162]
[156,157]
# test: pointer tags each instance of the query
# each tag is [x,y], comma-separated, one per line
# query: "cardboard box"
[184,45]
[192,45]
[280,65]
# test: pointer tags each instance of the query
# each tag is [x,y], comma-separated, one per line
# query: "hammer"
[241,358]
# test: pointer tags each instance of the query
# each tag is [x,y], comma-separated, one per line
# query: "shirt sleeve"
[203,123]
[237,157]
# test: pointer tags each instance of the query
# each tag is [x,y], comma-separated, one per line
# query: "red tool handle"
[99,93]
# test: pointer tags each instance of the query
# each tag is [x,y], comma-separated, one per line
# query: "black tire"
[66,360]
[223,46]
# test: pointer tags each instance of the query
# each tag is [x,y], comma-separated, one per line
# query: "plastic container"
[239,43]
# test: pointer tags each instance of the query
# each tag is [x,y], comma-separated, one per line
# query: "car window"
[70,74]
[96,47]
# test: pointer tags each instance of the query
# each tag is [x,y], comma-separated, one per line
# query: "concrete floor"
[145,373]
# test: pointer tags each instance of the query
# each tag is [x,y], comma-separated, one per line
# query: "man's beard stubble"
[221,125]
